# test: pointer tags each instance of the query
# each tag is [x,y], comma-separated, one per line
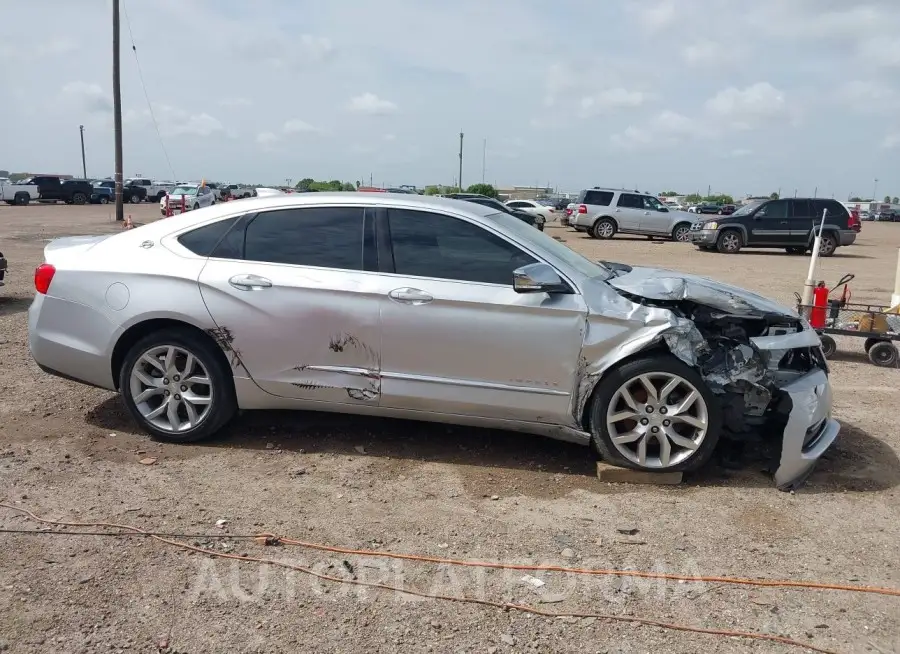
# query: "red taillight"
[43,275]
[582,208]
[854,223]
[568,212]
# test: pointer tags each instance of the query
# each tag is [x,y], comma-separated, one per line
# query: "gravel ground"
[70,452]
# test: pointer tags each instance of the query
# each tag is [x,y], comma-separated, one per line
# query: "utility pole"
[483,159]
[117,111]
[816,192]
[460,161]
[708,191]
[875,191]
[83,161]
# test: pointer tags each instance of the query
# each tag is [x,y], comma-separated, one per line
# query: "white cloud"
[266,140]
[632,138]
[740,152]
[89,97]
[174,121]
[744,108]
[712,53]
[658,16]
[389,137]
[881,51]
[284,51]
[371,104]
[868,96]
[297,126]
[610,100]
[891,141]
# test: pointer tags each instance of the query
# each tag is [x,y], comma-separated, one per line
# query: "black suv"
[790,224]
[70,191]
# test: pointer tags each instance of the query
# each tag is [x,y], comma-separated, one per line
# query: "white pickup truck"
[155,190]
[20,194]
[236,191]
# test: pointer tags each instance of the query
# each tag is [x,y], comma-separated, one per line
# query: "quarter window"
[203,240]
[600,198]
[325,237]
[434,245]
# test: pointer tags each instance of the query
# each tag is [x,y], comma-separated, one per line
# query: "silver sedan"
[429,309]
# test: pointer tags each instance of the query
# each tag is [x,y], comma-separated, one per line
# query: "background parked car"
[534,207]
[707,208]
[603,213]
[20,194]
[532,219]
[52,188]
[239,191]
[196,196]
[133,193]
[154,191]
[102,194]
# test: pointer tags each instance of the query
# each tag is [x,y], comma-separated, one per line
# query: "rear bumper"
[847,237]
[810,429]
[69,340]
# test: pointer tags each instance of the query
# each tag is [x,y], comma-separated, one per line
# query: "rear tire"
[730,241]
[135,199]
[829,346]
[828,245]
[22,199]
[883,354]
[689,448]
[219,390]
[79,198]
[103,200]
[605,228]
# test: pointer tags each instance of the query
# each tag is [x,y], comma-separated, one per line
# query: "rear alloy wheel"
[603,228]
[135,199]
[79,198]
[681,233]
[655,414]
[829,346]
[729,242]
[827,246]
[883,354]
[177,386]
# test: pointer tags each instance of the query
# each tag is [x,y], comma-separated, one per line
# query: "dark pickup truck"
[54,189]
[133,193]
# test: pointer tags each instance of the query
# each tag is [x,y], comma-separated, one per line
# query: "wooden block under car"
[616,475]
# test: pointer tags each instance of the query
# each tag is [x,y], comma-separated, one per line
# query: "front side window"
[630,201]
[774,210]
[652,203]
[325,237]
[434,245]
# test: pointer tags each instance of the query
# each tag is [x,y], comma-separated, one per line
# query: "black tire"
[681,229]
[828,245]
[223,404]
[103,200]
[870,342]
[795,250]
[604,228]
[22,199]
[730,241]
[705,248]
[829,347]
[884,354]
[195,207]
[158,197]
[659,363]
[135,198]
[79,198]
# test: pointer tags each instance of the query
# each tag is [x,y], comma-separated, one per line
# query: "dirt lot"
[69,452]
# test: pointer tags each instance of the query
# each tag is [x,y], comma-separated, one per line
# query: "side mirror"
[538,278]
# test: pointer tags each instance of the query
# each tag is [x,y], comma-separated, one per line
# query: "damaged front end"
[761,360]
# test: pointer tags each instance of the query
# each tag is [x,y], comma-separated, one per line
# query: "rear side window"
[203,240]
[325,237]
[836,211]
[602,198]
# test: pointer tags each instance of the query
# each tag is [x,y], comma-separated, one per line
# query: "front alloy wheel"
[655,414]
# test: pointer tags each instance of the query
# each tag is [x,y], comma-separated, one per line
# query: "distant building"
[524,192]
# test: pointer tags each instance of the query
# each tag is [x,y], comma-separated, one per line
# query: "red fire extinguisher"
[820,304]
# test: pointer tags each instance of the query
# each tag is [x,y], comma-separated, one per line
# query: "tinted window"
[775,210]
[203,240]
[801,209]
[836,210]
[602,198]
[631,201]
[434,245]
[328,237]
[517,205]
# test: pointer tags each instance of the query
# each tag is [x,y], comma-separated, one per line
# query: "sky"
[738,97]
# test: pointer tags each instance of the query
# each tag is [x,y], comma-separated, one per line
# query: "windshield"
[747,208]
[184,190]
[531,236]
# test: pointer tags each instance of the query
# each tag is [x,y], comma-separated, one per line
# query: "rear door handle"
[408,295]
[249,282]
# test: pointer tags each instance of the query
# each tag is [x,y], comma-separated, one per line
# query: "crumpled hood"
[661,284]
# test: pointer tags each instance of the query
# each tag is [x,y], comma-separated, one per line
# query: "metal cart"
[873,322]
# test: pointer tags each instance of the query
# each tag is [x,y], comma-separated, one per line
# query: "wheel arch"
[138,330]
[736,226]
[606,217]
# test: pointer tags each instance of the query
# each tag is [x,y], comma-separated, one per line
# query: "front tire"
[604,228]
[729,242]
[655,414]
[177,386]
[681,233]
[883,354]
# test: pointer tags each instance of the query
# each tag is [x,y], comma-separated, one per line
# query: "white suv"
[604,212]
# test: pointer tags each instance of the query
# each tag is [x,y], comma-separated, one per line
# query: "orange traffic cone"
[128,224]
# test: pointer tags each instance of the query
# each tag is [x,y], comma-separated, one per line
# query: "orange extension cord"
[270,539]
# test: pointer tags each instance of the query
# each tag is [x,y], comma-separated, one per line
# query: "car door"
[296,299]
[629,211]
[655,218]
[771,224]
[457,338]
[801,220]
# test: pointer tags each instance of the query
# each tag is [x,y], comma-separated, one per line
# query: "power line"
[146,95]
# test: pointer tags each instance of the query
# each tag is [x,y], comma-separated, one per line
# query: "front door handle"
[249,282]
[618,210]
[408,295]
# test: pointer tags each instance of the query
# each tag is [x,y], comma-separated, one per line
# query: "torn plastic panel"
[749,350]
